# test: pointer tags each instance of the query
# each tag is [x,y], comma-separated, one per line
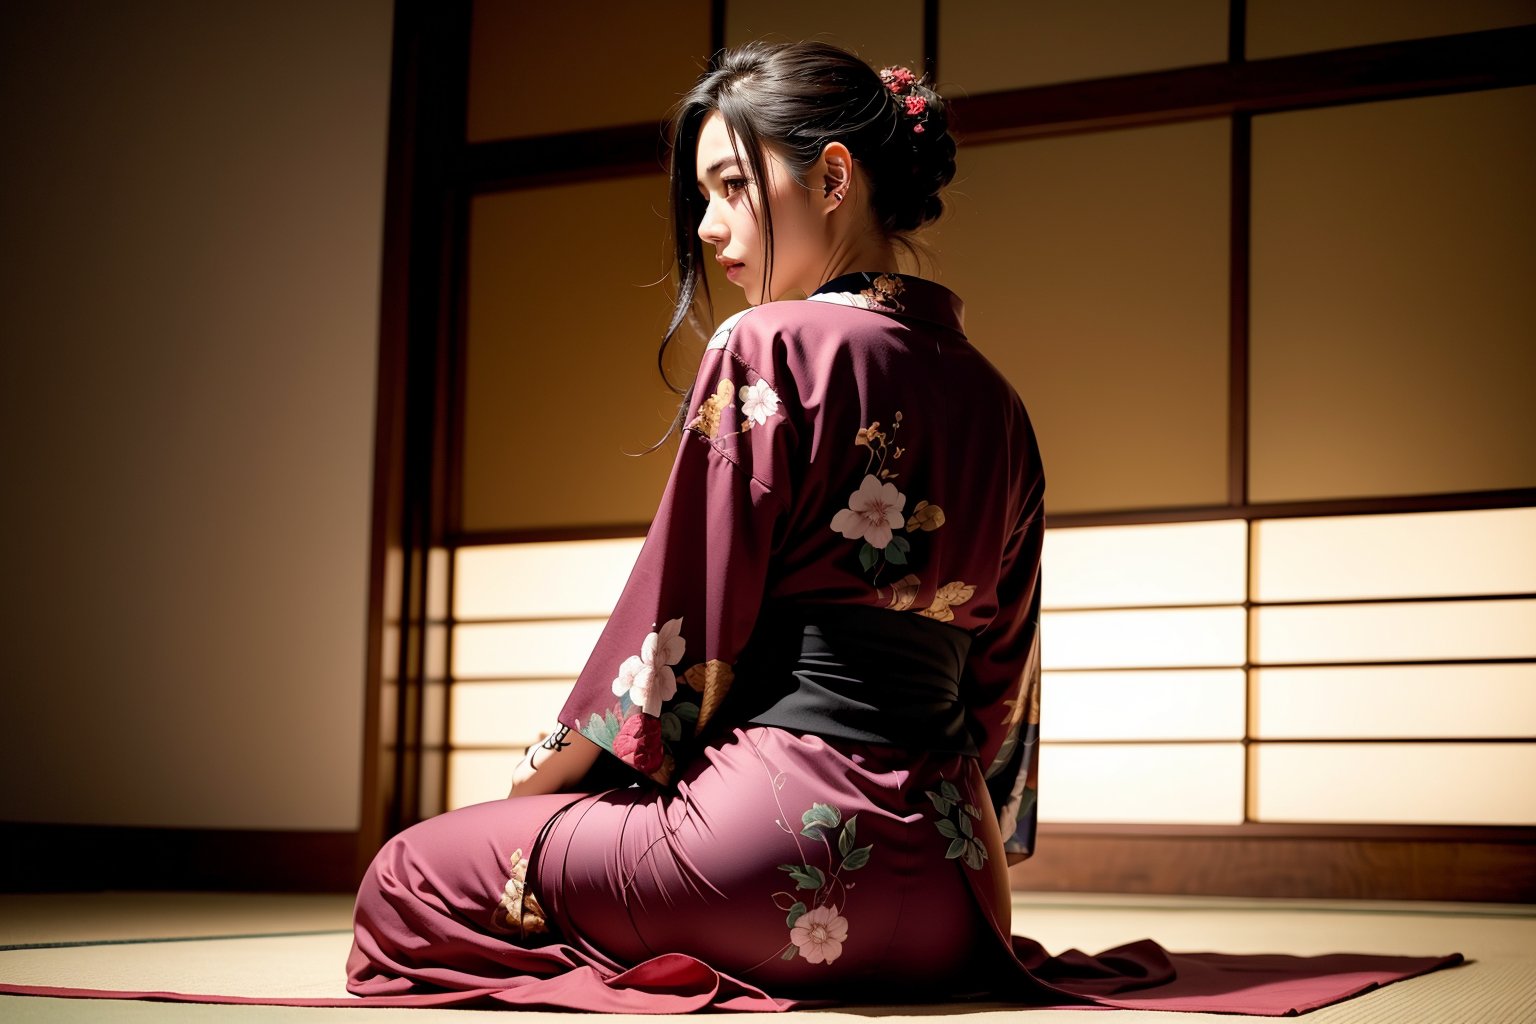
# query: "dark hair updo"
[796,97]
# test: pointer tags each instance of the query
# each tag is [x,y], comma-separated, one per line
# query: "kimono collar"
[898,294]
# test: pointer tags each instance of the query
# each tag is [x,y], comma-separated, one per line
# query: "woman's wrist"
[557,761]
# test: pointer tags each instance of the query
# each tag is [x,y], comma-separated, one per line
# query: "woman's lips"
[731,270]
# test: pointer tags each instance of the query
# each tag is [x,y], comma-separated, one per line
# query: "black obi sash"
[859,672]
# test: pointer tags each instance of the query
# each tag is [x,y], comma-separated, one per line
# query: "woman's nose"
[709,227]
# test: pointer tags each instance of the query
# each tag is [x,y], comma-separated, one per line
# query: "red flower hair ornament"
[899,80]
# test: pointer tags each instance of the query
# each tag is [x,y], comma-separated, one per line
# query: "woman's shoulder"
[796,336]
[781,316]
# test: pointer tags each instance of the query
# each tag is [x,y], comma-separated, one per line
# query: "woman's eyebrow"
[712,168]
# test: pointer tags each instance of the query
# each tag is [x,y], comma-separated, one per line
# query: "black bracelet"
[554,741]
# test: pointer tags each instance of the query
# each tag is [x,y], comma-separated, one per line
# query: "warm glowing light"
[1410,554]
[505,714]
[1195,704]
[1125,662]
[1410,783]
[1394,702]
[542,579]
[1397,631]
[524,649]
[1198,783]
[475,776]
[1142,638]
[1148,564]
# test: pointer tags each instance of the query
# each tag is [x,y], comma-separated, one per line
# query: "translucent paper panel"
[475,776]
[543,579]
[986,47]
[506,714]
[1150,638]
[561,388]
[1199,704]
[1392,313]
[530,650]
[1409,783]
[1416,554]
[1094,269]
[1154,564]
[1198,783]
[519,50]
[1400,631]
[1393,702]
[1277,27]
[895,36]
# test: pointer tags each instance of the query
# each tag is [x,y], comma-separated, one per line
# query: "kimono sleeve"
[666,656]
[1001,688]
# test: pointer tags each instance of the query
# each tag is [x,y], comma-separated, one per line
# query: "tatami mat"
[251,944]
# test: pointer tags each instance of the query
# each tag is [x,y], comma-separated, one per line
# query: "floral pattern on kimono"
[876,510]
[665,660]
[955,824]
[519,911]
[1001,680]
[817,932]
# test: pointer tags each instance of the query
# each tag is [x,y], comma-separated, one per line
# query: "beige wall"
[192,219]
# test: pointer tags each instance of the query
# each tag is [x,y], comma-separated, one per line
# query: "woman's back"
[847,452]
[784,675]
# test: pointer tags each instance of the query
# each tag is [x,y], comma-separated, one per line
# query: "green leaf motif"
[894,554]
[794,913]
[857,858]
[845,839]
[939,803]
[821,814]
[972,811]
[671,727]
[965,825]
[601,729]
[947,828]
[866,555]
[974,854]
[948,789]
[687,711]
[957,847]
[789,954]
[807,876]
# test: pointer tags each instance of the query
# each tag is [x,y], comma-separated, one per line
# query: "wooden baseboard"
[1318,868]
[38,857]
[44,857]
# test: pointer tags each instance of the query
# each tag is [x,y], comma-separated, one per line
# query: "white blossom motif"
[647,677]
[873,511]
[758,401]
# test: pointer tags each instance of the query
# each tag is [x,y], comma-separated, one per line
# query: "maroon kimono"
[853,460]
[820,691]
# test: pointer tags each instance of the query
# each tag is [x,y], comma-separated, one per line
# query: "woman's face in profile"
[731,223]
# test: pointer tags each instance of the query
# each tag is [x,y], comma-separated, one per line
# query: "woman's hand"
[558,761]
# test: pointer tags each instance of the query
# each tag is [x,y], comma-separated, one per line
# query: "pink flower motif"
[873,510]
[897,78]
[639,742]
[916,104]
[820,933]
[647,677]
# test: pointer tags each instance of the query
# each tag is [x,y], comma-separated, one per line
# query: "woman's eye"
[728,182]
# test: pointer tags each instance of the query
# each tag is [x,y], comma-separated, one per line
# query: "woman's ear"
[836,171]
